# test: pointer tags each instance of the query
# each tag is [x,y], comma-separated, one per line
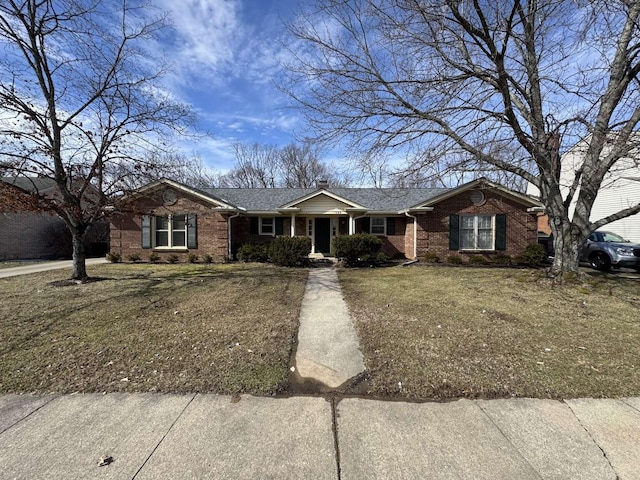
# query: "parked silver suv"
[604,250]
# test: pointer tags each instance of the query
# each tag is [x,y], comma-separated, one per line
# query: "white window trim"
[169,231]
[384,223]
[272,233]
[475,231]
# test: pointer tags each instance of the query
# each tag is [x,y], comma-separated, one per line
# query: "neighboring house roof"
[30,184]
[381,200]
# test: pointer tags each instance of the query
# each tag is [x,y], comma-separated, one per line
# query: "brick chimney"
[323,183]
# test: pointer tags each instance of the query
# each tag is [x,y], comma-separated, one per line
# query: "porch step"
[317,261]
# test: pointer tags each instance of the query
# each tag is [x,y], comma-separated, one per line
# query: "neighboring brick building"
[479,217]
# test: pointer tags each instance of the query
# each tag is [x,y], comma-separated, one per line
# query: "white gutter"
[415,235]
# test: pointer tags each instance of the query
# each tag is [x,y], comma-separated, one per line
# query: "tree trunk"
[567,242]
[79,256]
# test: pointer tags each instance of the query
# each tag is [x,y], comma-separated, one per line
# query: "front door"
[323,235]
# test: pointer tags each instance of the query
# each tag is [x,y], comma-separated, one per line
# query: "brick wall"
[126,228]
[27,235]
[433,227]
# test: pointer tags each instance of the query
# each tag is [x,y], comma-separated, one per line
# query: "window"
[378,226]
[267,226]
[169,231]
[476,232]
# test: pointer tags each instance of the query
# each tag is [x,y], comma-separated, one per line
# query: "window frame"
[170,231]
[384,226]
[476,231]
[261,226]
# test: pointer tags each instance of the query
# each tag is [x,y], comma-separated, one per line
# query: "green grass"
[19,263]
[437,332]
[158,328]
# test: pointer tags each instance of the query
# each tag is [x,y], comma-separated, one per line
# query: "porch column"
[352,225]
[293,224]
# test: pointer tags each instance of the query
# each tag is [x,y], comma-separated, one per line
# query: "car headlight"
[625,251]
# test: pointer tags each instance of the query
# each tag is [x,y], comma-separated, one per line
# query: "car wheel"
[600,261]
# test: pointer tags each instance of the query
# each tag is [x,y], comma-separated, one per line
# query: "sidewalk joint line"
[30,413]
[334,427]
[506,437]
[164,436]
[604,454]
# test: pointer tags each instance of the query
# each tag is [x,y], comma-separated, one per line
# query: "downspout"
[415,235]
[229,234]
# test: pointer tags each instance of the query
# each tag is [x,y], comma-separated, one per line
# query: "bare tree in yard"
[476,77]
[79,105]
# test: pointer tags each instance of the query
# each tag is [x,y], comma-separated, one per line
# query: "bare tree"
[301,167]
[267,166]
[256,166]
[474,77]
[80,104]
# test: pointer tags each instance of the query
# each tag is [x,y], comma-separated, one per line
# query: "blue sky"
[226,55]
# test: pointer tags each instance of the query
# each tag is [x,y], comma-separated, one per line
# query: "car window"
[612,237]
[593,237]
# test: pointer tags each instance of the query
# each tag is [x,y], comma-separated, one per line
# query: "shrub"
[289,251]
[382,257]
[502,259]
[454,259]
[154,257]
[353,248]
[253,252]
[173,258]
[534,254]
[431,257]
[206,258]
[478,260]
[192,258]
[113,257]
[133,257]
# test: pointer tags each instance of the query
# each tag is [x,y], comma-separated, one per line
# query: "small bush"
[502,259]
[113,257]
[173,258]
[382,257]
[289,251]
[192,258]
[206,258]
[534,254]
[355,248]
[133,257]
[478,260]
[431,257]
[253,252]
[454,259]
[154,257]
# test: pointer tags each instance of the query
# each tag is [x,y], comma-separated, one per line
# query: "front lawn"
[159,328]
[438,332]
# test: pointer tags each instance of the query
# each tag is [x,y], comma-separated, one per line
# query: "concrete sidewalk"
[151,436]
[43,267]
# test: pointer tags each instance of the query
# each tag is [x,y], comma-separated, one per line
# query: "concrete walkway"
[328,348]
[151,436]
[43,267]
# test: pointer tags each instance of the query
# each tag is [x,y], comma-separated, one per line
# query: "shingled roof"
[374,199]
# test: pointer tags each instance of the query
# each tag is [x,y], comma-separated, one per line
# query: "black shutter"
[391,225]
[454,232]
[253,229]
[192,231]
[279,226]
[365,225]
[501,231]
[146,231]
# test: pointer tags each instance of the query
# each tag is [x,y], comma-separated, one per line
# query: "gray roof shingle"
[374,199]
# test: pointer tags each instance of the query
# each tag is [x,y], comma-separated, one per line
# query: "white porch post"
[293,224]
[352,225]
